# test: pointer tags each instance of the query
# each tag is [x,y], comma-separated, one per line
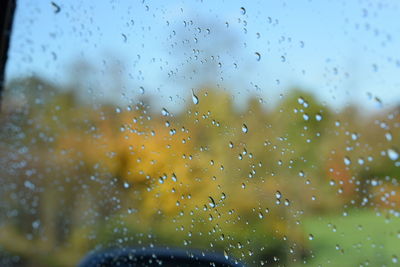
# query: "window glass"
[265,131]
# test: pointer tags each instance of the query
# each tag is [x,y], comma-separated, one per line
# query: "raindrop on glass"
[211,202]
[393,154]
[165,112]
[195,99]
[244,128]
[388,136]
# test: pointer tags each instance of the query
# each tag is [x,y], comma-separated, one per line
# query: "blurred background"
[265,131]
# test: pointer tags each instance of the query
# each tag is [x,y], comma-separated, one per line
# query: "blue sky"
[343,51]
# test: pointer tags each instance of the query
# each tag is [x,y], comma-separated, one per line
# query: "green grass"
[363,239]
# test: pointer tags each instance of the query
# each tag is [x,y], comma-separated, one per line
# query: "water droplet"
[388,136]
[310,237]
[305,116]
[230,145]
[354,136]
[278,194]
[126,185]
[243,10]
[347,161]
[36,224]
[56,7]
[223,196]
[287,202]
[378,102]
[212,202]
[260,215]
[244,128]
[124,38]
[226,254]
[141,90]
[165,112]
[195,99]
[393,154]
[258,56]
[395,259]
[318,117]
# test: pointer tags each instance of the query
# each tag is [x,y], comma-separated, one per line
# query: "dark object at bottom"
[156,257]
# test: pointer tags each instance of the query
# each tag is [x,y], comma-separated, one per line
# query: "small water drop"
[165,112]
[354,136]
[243,10]
[126,185]
[388,136]
[395,259]
[56,7]
[287,202]
[310,237]
[124,38]
[318,117]
[260,215]
[244,128]
[212,202]
[347,161]
[393,154]
[278,194]
[258,56]
[195,99]
[226,254]
[378,102]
